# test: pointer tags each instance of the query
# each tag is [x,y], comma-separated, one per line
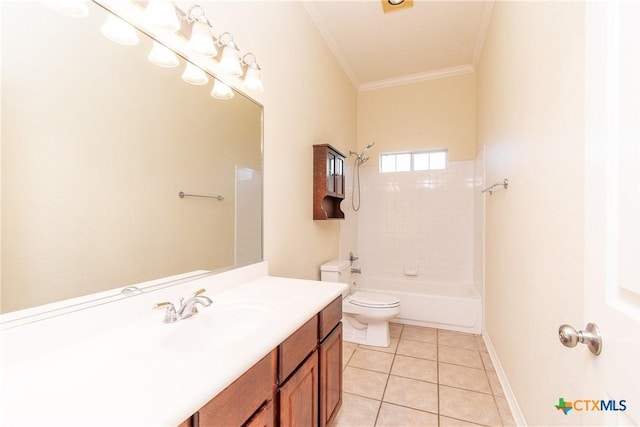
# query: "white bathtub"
[453,307]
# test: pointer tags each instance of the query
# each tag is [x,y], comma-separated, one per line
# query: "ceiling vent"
[393,5]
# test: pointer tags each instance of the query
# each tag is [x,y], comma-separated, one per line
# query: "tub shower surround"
[421,229]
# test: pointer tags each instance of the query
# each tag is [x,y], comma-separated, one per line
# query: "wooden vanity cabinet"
[264,417]
[236,404]
[330,353]
[312,395]
[330,376]
[296,348]
[328,182]
[298,396]
[298,384]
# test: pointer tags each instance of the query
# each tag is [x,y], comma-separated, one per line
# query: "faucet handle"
[170,315]
[198,292]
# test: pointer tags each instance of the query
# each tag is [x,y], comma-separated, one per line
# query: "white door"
[612,210]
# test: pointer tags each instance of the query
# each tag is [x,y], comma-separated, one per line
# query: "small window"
[414,161]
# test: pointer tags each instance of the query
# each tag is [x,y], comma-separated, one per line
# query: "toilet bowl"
[365,315]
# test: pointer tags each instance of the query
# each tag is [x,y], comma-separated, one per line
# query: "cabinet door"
[339,176]
[331,172]
[331,376]
[264,417]
[299,396]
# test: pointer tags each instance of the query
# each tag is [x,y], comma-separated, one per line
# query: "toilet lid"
[370,299]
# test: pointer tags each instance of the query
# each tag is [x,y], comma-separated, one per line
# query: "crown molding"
[317,19]
[482,33]
[419,77]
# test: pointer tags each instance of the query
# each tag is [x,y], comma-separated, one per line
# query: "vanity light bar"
[165,17]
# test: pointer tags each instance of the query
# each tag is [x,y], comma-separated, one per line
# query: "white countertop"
[144,372]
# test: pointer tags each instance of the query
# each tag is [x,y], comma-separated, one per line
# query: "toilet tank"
[336,271]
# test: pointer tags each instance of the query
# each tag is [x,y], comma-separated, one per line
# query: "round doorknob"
[570,337]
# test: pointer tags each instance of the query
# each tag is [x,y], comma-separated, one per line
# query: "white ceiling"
[432,39]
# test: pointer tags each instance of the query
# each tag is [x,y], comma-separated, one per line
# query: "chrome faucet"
[170,315]
[187,308]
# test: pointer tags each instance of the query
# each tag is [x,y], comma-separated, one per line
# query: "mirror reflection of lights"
[119,31]
[194,75]
[221,90]
[162,56]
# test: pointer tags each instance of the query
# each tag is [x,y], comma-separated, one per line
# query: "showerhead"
[360,157]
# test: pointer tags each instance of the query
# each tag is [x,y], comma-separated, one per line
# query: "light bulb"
[162,13]
[201,41]
[221,90]
[162,56]
[119,31]
[194,75]
[252,79]
[230,61]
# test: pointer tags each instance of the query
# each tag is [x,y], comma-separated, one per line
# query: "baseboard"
[516,413]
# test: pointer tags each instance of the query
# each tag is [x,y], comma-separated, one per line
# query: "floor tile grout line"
[350,357]
[411,407]
[387,382]
[465,421]
[438,361]
[466,389]
[369,370]
[463,366]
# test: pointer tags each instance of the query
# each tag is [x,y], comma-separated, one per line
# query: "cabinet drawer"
[330,316]
[236,403]
[296,348]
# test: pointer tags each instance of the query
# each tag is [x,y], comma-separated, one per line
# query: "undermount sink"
[216,326]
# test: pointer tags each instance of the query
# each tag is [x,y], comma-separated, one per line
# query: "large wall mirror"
[97,143]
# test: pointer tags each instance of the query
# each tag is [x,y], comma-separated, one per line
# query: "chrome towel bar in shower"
[491,189]
[182,195]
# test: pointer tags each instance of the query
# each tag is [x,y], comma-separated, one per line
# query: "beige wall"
[530,118]
[437,113]
[307,100]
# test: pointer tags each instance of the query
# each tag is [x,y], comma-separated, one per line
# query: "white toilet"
[365,315]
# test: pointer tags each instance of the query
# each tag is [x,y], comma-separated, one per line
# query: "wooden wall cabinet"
[298,384]
[328,182]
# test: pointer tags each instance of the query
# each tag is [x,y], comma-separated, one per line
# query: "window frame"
[412,160]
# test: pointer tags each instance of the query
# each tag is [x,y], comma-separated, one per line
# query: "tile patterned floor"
[427,377]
